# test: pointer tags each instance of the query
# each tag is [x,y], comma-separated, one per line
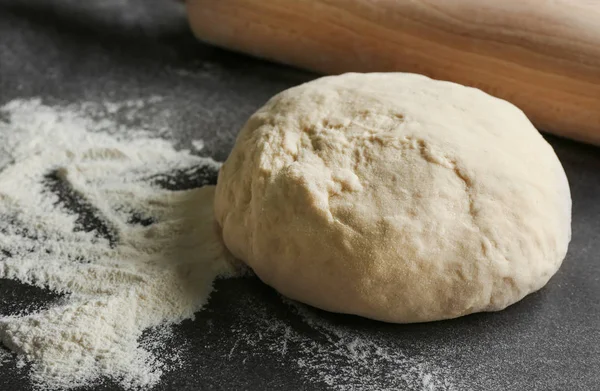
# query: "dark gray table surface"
[97,50]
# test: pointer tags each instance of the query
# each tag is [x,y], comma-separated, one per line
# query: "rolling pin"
[541,55]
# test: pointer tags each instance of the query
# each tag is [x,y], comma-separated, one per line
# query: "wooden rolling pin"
[544,56]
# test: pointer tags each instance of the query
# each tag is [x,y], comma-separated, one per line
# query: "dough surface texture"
[395,197]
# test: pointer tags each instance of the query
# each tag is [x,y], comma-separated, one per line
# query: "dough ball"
[395,197]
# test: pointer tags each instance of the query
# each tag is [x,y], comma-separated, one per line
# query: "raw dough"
[395,197]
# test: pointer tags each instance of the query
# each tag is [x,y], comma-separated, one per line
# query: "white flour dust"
[198,145]
[340,357]
[4,356]
[367,363]
[150,260]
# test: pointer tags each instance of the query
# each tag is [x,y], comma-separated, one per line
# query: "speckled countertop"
[248,337]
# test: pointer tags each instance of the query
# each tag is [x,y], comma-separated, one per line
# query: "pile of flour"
[83,212]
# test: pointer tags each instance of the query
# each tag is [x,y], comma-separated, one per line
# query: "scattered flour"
[367,364]
[4,356]
[340,357]
[198,145]
[149,261]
